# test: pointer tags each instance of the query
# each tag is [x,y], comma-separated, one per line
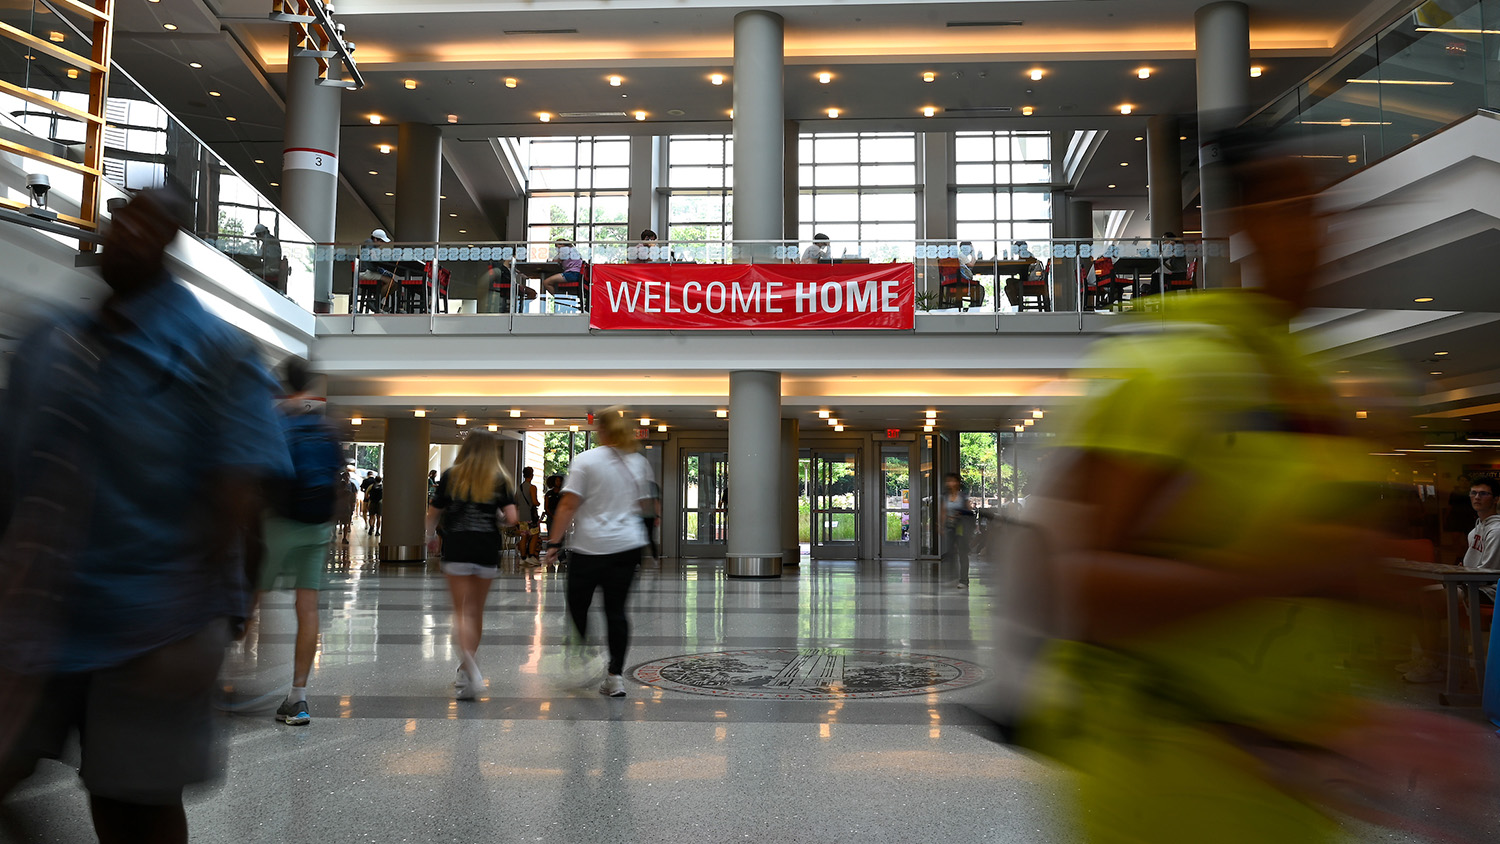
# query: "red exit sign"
[893,433]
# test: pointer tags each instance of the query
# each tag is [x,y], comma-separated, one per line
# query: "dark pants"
[614,573]
[958,550]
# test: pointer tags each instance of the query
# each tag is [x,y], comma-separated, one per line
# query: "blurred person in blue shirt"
[132,443]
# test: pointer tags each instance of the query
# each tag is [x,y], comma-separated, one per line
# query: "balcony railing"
[523,279]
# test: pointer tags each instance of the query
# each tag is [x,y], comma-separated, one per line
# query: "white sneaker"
[463,687]
[614,686]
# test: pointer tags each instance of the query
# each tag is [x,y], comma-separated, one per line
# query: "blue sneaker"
[293,714]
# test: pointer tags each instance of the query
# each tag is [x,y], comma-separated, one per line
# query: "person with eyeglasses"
[1481,553]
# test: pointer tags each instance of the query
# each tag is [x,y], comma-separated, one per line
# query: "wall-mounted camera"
[37,185]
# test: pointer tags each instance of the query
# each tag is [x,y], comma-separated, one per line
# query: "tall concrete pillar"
[791,216]
[310,165]
[755,467]
[1081,226]
[645,177]
[404,507]
[419,175]
[791,554]
[936,223]
[1223,59]
[759,129]
[1164,172]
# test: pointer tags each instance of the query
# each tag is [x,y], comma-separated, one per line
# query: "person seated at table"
[641,252]
[1022,252]
[1171,267]
[571,261]
[1482,552]
[496,285]
[382,275]
[817,252]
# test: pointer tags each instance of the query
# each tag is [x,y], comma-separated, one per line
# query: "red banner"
[794,297]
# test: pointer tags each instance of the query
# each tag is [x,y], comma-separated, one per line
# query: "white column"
[755,467]
[1223,58]
[759,128]
[404,507]
[309,165]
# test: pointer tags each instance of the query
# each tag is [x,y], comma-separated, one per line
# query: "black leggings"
[613,572]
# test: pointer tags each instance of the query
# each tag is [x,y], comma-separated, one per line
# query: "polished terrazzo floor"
[391,757]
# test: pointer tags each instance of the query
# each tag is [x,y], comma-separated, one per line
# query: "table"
[1452,577]
[1016,268]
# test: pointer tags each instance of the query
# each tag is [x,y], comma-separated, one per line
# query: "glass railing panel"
[1428,79]
[1343,118]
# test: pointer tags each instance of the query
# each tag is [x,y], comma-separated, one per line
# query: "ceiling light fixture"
[1111,187]
[385,149]
[375,120]
[374,172]
[645,421]
[1037,414]
[824,414]
[195,65]
[1436,82]
[549,421]
[1037,74]
[615,82]
[927,429]
[661,429]
[573,428]
[1423,299]
[544,117]
[722,414]
[1020,429]
[515,414]
[1143,73]
[833,113]
[388,193]
[1127,108]
[411,84]
[1458,31]
[833,421]
[1028,110]
[494,428]
[214,94]
[231,119]
[929,76]
[716,79]
[928,111]
[931,414]
[1028,422]
[420,414]
[825,77]
[640,115]
[72,73]
[1440,354]
[1256,71]
[452,118]
[462,420]
[511,82]
[170,27]
[838,429]
[356,420]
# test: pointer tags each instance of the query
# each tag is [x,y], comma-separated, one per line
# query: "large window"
[1002,181]
[860,189]
[579,188]
[700,194]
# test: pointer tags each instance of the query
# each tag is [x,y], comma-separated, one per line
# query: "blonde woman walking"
[602,502]
[472,502]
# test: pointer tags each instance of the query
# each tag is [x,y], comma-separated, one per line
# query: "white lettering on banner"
[622,293]
[837,303]
[773,295]
[310,159]
[649,294]
[860,303]
[687,303]
[667,301]
[807,295]
[708,297]
[888,294]
[746,303]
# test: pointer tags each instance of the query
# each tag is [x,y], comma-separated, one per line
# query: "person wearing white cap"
[381,274]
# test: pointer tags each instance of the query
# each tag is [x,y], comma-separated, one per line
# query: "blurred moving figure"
[1205,549]
[132,445]
[603,500]
[958,523]
[474,499]
[300,522]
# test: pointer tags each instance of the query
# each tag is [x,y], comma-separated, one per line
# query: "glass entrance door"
[833,483]
[898,532]
[704,496]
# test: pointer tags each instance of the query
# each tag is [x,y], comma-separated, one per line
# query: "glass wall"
[579,189]
[700,195]
[1427,70]
[860,189]
[1002,184]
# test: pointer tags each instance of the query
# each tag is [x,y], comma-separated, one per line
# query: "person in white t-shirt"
[602,502]
[1482,552]
[818,251]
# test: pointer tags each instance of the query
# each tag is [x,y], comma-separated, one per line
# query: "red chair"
[580,288]
[444,276]
[953,288]
[1184,281]
[1035,295]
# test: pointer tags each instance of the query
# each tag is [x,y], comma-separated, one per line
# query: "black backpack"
[311,494]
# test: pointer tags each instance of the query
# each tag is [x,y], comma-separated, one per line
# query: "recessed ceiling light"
[1124,163]
[452,215]
[1182,137]
[640,115]
[1037,414]
[928,111]
[1256,71]
[72,73]
[442,196]
[462,420]
[452,118]
[1423,299]
[410,84]
[515,414]
[385,149]
[1111,187]
[833,113]
[544,117]
[573,428]
[1037,74]
[1140,137]
[419,413]
[231,119]
[1144,73]
[1436,372]
[716,79]
[1127,108]
[929,76]
[722,414]
[1440,354]
[463,231]
[838,428]
[195,65]
[494,428]
[388,193]
[260,161]
[930,414]
[927,429]
[825,77]
[661,429]
[645,421]
[824,414]
[511,82]
[214,94]
[1027,110]
[275,184]
[549,421]
[374,172]
[170,27]
[615,82]
[356,420]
